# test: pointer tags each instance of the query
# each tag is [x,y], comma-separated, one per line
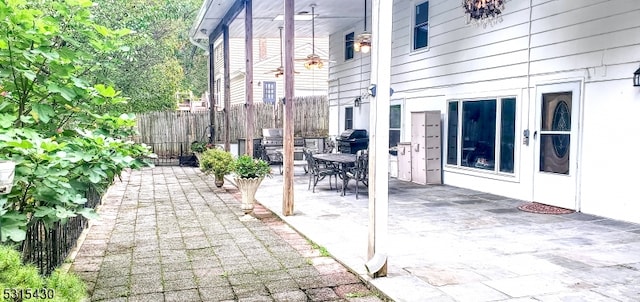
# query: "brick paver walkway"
[167,234]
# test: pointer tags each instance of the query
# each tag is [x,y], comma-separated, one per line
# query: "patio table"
[344,161]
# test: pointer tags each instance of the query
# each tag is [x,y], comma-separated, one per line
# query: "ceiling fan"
[313,61]
[280,70]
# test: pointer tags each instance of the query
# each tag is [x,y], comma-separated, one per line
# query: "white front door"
[556,144]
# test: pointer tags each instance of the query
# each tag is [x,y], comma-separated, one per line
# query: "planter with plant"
[217,162]
[198,147]
[249,173]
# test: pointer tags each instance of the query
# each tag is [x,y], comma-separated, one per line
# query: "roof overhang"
[331,16]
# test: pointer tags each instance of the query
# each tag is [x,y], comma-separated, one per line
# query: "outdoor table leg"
[343,171]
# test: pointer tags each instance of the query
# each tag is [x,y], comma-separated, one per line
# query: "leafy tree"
[50,52]
[161,61]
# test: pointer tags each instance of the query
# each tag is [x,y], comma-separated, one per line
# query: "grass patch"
[323,251]
[356,295]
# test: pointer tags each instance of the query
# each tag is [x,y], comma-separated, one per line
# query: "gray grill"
[272,140]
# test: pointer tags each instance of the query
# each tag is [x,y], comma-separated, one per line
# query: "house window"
[218,94]
[395,116]
[481,134]
[421,25]
[218,54]
[269,92]
[348,118]
[348,46]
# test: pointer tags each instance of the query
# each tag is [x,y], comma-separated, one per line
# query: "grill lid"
[353,134]
[272,132]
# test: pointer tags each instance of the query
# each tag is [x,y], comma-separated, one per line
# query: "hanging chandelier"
[363,41]
[483,11]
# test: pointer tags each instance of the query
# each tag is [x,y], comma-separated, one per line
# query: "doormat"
[535,207]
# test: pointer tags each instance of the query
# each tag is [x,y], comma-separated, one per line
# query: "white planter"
[7,171]
[248,188]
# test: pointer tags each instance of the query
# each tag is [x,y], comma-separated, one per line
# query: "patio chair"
[360,170]
[318,171]
[329,145]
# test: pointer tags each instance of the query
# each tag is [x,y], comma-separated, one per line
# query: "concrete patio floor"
[453,244]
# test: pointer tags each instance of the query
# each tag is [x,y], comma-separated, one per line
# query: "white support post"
[382,19]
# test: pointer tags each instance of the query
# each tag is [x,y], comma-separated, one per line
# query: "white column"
[382,18]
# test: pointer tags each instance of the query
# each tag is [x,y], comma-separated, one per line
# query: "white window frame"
[395,102]
[267,90]
[352,118]
[414,5]
[344,44]
[496,173]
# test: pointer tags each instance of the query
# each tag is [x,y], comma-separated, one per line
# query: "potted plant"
[198,147]
[217,162]
[249,173]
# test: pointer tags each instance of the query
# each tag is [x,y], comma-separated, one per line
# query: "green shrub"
[15,275]
[248,167]
[198,147]
[217,162]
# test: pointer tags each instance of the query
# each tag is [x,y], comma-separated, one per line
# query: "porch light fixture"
[363,41]
[636,78]
[357,102]
[483,11]
[313,61]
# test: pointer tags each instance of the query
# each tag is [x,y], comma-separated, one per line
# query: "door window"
[555,133]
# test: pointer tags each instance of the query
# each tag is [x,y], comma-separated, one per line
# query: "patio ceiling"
[331,16]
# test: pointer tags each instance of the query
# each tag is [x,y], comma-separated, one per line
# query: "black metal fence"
[173,153]
[47,248]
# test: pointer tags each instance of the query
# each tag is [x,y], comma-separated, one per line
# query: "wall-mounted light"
[7,170]
[357,102]
[636,78]
[372,90]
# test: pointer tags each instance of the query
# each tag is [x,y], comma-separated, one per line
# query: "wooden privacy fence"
[171,132]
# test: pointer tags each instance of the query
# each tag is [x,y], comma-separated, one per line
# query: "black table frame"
[344,160]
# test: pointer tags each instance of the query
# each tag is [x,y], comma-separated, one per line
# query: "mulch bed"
[535,207]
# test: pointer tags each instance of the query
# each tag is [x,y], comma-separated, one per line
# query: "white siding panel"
[237,90]
[597,27]
[589,44]
[472,42]
[485,75]
[559,14]
[567,63]
[622,55]
[462,66]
